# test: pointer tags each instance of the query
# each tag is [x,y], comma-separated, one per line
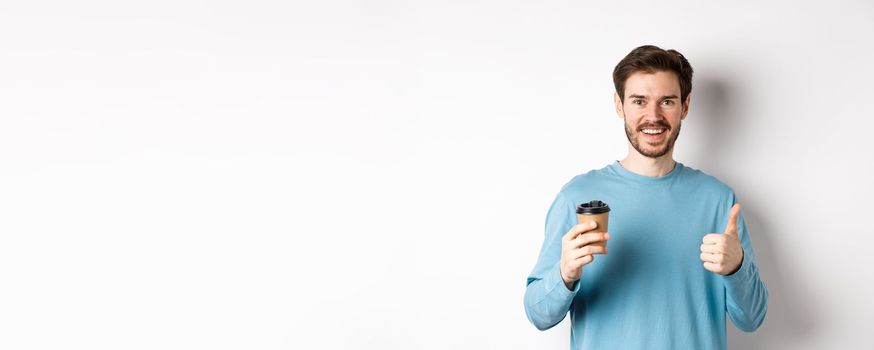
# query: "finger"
[589,238]
[731,228]
[714,238]
[713,248]
[712,258]
[577,229]
[582,261]
[588,250]
[715,268]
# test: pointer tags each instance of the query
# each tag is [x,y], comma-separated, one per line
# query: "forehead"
[659,83]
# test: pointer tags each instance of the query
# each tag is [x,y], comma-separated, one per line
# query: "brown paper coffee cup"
[596,211]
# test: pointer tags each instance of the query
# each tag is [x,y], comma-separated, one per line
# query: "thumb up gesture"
[721,252]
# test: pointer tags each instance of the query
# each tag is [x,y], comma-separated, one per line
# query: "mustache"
[659,124]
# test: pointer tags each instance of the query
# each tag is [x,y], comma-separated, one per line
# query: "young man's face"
[652,111]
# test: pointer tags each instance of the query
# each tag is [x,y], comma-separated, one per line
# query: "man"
[678,256]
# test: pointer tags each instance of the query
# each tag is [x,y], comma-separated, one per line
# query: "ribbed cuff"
[742,276]
[555,284]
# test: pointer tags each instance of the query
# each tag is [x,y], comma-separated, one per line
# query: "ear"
[686,106]
[618,102]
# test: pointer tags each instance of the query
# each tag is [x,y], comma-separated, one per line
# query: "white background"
[375,175]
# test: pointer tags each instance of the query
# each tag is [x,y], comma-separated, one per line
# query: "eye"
[637,102]
[668,102]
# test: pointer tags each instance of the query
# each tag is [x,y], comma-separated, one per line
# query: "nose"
[653,113]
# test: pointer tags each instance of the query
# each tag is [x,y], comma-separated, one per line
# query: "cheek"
[632,116]
[674,116]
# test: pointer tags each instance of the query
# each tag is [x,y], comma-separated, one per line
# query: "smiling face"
[652,112]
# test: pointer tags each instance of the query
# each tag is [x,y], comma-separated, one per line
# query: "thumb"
[731,228]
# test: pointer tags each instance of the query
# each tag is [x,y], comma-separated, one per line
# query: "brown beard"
[658,153]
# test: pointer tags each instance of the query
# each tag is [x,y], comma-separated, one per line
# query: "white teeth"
[653,131]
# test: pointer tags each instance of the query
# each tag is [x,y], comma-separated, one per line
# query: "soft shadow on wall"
[791,313]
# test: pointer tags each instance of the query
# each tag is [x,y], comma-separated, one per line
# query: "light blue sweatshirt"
[650,291]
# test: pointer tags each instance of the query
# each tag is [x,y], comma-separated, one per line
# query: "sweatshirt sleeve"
[547,299]
[746,294]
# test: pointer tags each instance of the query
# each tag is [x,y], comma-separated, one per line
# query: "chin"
[654,153]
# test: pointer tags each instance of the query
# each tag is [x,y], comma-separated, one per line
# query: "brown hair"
[651,59]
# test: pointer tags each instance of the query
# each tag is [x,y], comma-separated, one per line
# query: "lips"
[654,132]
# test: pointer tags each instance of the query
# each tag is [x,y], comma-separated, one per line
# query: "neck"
[646,166]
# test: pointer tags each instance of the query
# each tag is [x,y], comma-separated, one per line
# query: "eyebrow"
[667,97]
